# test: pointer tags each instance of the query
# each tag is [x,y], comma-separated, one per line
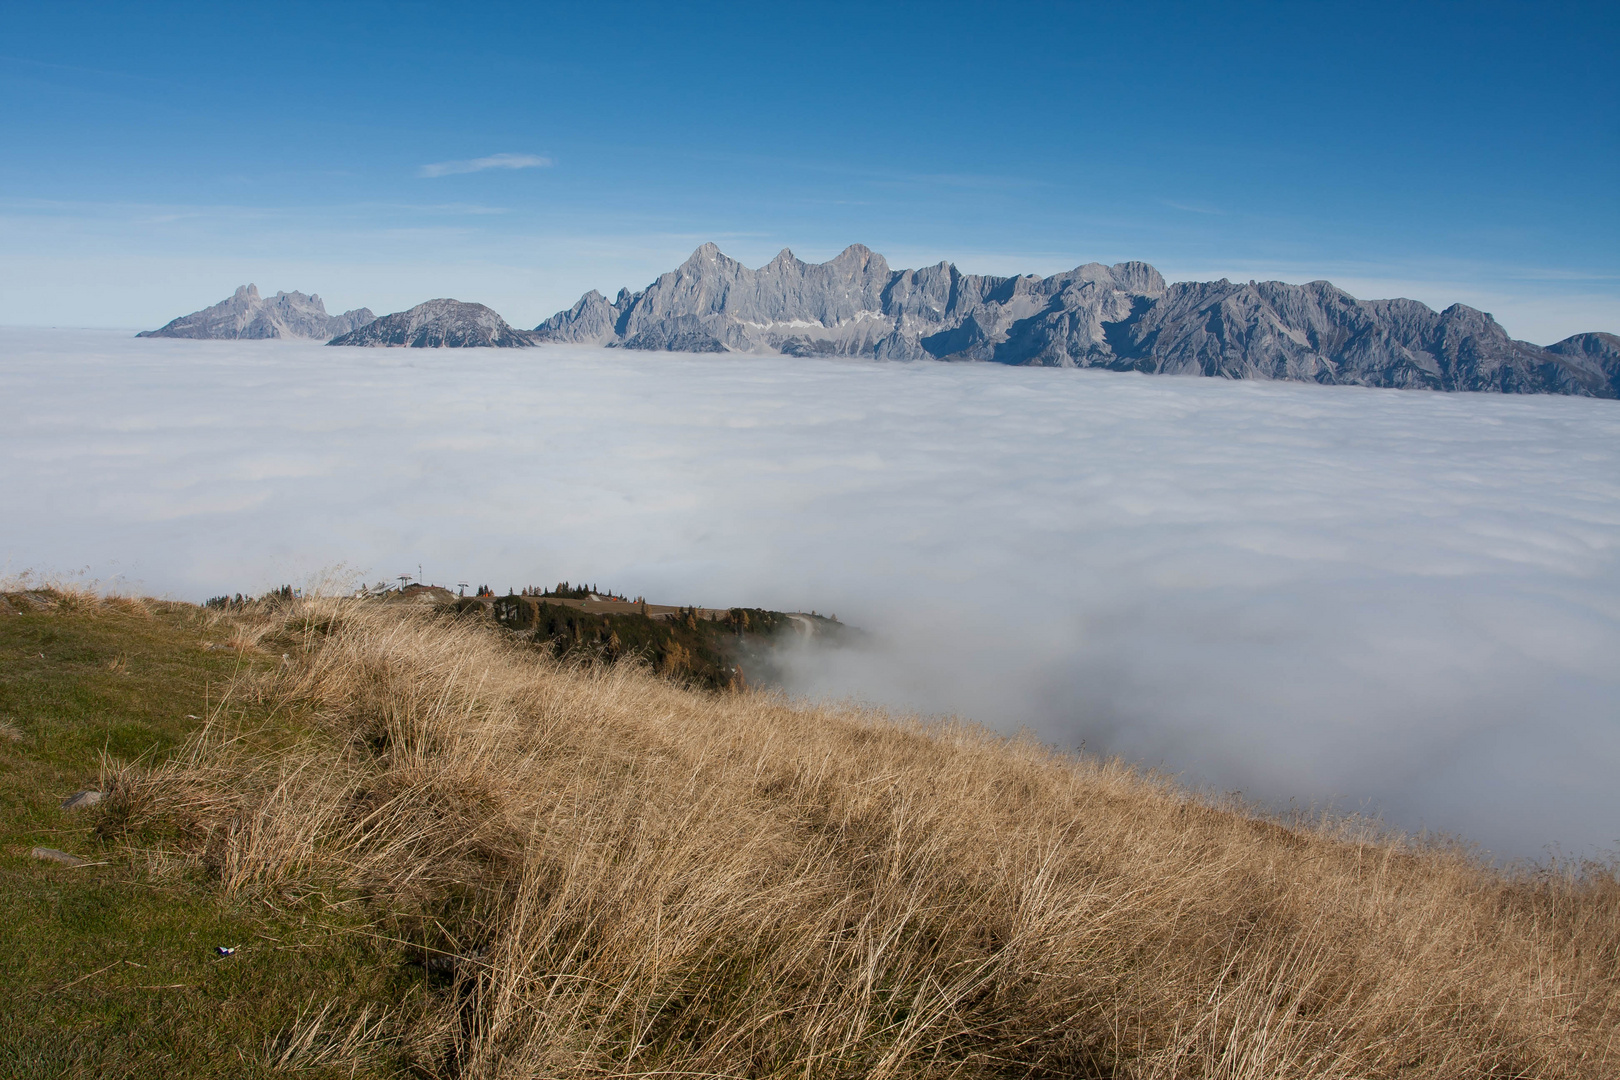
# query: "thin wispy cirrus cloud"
[1192,207]
[493,161]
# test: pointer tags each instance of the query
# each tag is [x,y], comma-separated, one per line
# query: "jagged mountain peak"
[859,255]
[1121,317]
[1463,311]
[246,314]
[708,255]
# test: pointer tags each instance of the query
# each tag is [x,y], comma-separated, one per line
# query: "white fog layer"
[1402,601]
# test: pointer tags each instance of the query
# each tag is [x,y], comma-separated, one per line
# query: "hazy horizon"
[1392,290]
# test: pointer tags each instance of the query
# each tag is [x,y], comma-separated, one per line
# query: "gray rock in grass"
[50,854]
[81,800]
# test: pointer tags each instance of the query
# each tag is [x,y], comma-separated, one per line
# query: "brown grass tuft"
[30,593]
[605,874]
[317,1039]
[129,605]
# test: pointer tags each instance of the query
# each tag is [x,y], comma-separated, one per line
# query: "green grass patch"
[111,969]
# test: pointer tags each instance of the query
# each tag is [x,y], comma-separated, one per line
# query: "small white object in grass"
[225,950]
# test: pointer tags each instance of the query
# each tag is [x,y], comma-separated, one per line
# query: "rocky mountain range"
[438,324]
[246,314]
[1123,317]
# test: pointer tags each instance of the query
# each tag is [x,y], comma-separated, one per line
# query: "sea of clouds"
[1395,601]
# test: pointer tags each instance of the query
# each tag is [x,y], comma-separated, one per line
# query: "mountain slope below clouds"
[1121,317]
[246,314]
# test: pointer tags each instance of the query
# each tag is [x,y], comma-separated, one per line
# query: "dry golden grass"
[618,877]
[317,1038]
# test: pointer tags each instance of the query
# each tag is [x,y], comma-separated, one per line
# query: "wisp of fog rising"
[1398,601]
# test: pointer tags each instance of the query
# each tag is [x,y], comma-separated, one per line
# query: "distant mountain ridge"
[1123,317]
[438,324]
[246,314]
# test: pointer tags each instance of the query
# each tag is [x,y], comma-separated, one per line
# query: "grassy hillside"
[110,969]
[443,851]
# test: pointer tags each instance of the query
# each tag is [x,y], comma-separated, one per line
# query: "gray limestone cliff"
[246,314]
[450,324]
[1122,317]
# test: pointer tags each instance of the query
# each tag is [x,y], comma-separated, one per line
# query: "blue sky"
[156,156]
